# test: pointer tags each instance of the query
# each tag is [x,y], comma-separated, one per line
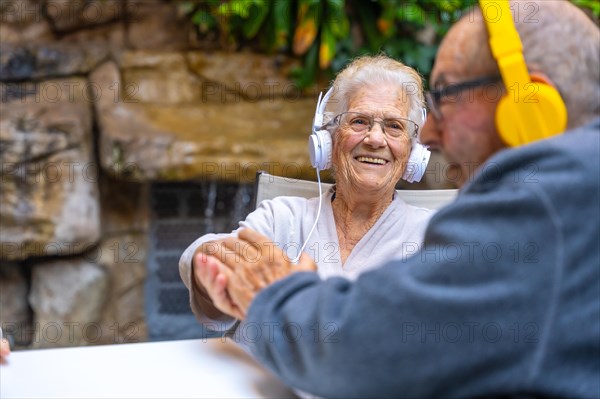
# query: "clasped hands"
[230,272]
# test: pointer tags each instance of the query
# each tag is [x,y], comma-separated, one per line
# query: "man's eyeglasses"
[434,98]
[362,124]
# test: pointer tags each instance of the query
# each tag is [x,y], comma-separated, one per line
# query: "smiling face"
[372,162]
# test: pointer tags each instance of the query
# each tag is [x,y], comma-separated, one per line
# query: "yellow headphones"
[529,110]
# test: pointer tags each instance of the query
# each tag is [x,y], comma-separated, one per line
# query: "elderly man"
[504,297]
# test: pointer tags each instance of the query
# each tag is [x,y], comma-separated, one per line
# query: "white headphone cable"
[297,258]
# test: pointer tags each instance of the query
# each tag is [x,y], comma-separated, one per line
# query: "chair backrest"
[269,186]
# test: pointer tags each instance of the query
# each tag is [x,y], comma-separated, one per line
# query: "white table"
[174,369]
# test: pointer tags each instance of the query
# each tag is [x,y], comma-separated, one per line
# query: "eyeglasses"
[362,124]
[434,97]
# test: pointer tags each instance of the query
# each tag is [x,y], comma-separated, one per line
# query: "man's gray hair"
[562,42]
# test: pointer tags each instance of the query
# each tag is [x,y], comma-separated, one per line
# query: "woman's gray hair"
[376,70]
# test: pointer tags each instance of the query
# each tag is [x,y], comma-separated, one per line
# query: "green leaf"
[336,4]
[592,5]
[368,19]
[412,13]
[336,18]
[240,8]
[386,23]
[326,48]
[305,76]
[282,22]
[204,20]
[256,16]
[307,27]
[224,9]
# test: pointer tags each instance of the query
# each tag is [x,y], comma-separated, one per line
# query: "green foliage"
[592,5]
[326,34]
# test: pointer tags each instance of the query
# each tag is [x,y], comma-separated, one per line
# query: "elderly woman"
[373,116]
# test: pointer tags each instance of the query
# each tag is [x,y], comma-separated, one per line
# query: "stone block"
[111,35]
[22,21]
[49,197]
[159,78]
[15,316]
[251,76]
[69,15]
[123,256]
[33,61]
[155,24]
[67,297]
[202,140]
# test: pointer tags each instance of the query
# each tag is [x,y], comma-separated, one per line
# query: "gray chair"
[269,186]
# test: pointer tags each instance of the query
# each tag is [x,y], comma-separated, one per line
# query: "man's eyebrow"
[439,81]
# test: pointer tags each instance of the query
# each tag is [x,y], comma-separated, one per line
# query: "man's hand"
[251,263]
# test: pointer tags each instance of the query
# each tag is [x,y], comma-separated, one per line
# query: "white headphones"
[320,145]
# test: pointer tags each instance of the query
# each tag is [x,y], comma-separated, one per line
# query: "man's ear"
[541,77]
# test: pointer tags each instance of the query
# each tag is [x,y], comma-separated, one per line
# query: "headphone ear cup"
[417,163]
[320,149]
[537,114]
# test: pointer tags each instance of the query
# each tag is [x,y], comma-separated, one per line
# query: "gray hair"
[374,70]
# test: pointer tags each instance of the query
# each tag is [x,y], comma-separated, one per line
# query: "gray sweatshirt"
[503,298]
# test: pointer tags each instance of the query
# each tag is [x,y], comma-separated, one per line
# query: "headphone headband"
[505,43]
[320,110]
[529,111]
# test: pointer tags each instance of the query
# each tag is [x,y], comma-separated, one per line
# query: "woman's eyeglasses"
[362,124]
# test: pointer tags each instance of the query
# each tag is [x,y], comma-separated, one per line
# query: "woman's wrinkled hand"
[212,284]
[4,347]
[251,263]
